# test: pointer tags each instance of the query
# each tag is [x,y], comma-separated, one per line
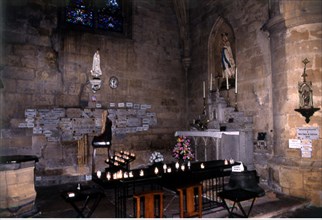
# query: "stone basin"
[17,185]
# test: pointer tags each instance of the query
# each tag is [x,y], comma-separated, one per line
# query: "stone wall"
[45,66]
[252,45]
[269,64]
[293,40]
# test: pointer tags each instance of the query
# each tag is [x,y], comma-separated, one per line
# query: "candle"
[156,170]
[236,81]
[227,82]
[204,89]
[211,82]
[169,170]
[141,173]
[177,165]
[108,175]
[183,167]
[202,166]
[165,168]
[99,173]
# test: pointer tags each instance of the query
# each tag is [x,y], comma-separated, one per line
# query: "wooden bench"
[149,201]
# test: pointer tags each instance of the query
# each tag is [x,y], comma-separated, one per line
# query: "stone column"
[295,34]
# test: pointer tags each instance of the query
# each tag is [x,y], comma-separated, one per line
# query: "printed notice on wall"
[311,133]
[306,148]
[294,143]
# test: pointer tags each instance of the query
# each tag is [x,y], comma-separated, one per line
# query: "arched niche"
[214,50]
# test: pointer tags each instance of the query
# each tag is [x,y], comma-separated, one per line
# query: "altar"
[220,145]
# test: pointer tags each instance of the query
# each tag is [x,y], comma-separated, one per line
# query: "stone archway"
[214,50]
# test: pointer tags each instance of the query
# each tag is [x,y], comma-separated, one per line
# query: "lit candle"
[203,89]
[236,81]
[156,170]
[130,174]
[141,173]
[126,175]
[108,175]
[99,173]
[169,170]
[177,165]
[202,166]
[211,82]
[165,168]
[183,167]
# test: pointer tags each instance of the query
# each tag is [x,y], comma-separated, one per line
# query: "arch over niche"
[214,50]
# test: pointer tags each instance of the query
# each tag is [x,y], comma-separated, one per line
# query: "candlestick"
[236,82]
[211,82]
[203,89]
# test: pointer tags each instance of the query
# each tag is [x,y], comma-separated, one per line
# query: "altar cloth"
[214,134]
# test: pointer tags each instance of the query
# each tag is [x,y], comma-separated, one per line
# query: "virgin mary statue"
[227,59]
[96,69]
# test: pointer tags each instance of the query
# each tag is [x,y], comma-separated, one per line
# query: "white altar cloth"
[205,136]
[213,134]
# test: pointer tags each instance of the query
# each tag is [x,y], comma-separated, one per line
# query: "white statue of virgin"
[96,69]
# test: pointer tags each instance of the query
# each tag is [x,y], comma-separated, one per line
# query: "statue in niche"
[227,59]
[305,90]
[96,72]
[96,68]
[305,96]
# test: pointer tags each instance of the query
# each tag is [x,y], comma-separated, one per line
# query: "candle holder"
[204,106]
[305,90]
[236,109]
[228,99]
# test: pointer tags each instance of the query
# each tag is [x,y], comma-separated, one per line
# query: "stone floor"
[49,204]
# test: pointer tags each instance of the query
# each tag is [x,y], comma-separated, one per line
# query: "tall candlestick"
[211,82]
[236,82]
[204,89]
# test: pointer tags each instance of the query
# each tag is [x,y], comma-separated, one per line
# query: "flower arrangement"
[156,157]
[182,150]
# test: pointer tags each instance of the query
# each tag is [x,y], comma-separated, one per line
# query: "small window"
[109,16]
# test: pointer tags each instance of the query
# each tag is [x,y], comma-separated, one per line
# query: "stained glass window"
[80,12]
[110,17]
[107,15]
